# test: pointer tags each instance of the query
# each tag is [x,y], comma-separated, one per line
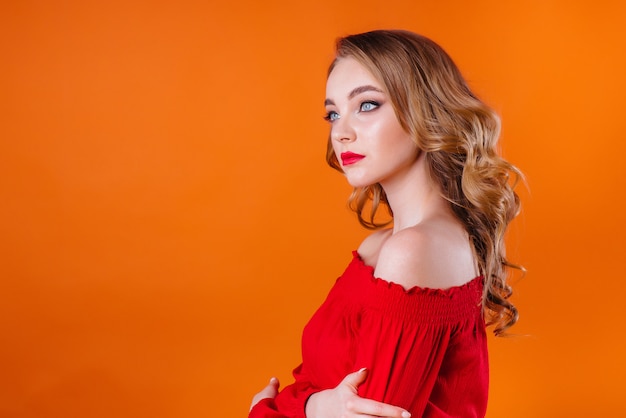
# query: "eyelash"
[329,116]
[370,102]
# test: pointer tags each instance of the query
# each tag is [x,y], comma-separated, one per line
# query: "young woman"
[409,312]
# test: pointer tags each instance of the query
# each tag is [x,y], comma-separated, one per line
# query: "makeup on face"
[349,158]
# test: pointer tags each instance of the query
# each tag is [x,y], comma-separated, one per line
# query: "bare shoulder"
[431,255]
[370,247]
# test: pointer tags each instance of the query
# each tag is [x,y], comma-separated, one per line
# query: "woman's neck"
[413,196]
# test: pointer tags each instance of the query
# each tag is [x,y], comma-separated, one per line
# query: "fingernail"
[273,380]
[363,369]
[406,414]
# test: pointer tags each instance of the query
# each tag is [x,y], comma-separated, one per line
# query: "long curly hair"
[458,133]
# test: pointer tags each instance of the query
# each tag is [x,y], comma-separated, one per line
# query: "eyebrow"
[355,92]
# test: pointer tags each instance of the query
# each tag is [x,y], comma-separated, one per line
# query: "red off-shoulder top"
[426,349]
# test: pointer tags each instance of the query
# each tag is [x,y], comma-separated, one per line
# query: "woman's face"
[366,136]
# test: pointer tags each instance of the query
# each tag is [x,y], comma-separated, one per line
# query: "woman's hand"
[268,391]
[343,402]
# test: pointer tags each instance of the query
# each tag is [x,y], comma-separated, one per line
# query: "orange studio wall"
[168,224]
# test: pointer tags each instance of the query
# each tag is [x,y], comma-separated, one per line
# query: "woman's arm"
[424,346]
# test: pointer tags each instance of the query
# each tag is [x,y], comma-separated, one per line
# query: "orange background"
[168,223]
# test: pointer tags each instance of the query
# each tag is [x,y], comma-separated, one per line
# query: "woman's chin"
[358,182]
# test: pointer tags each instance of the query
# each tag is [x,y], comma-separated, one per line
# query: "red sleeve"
[290,401]
[425,350]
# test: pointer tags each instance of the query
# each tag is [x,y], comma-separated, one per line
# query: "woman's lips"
[348,158]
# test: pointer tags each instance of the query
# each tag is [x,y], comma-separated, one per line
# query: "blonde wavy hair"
[458,133]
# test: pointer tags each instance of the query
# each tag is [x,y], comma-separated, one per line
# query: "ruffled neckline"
[450,292]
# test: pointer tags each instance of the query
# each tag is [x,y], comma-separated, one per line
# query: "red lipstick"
[348,158]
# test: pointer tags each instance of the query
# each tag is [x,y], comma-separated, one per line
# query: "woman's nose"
[342,131]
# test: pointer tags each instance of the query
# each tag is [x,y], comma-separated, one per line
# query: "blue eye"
[331,116]
[368,106]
